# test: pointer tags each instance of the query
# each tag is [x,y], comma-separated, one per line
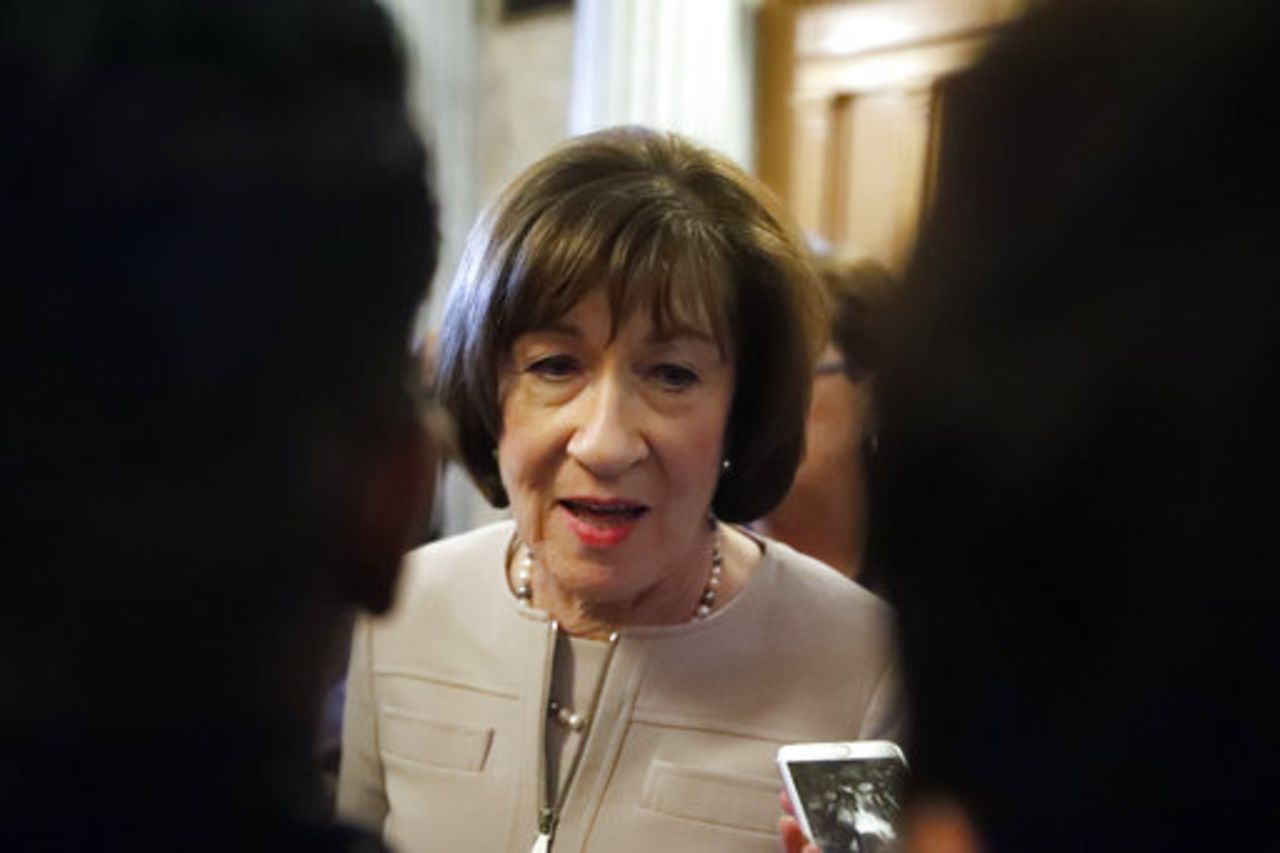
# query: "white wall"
[491,97]
[525,102]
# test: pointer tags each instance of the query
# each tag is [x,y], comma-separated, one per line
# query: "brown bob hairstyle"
[659,224]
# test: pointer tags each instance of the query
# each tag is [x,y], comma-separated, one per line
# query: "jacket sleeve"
[362,796]
[883,717]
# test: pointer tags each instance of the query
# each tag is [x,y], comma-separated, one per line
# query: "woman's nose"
[608,440]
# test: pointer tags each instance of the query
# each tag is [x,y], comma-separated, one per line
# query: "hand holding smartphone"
[847,796]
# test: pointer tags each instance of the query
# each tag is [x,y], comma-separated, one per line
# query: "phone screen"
[851,804]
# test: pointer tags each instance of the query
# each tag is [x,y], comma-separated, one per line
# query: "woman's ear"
[391,490]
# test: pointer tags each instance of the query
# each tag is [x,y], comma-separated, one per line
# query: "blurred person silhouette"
[216,230]
[425,528]
[824,512]
[1080,417]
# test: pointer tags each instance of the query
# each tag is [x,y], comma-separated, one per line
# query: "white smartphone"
[847,796]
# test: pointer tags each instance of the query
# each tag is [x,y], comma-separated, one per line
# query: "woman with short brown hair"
[627,352]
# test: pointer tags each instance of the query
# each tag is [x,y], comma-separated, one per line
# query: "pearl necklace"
[524,580]
[568,717]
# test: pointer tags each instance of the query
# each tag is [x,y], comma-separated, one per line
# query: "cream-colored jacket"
[445,708]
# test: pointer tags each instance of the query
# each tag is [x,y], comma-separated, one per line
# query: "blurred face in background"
[824,513]
[838,424]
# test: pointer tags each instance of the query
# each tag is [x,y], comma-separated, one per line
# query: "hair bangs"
[683,280]
[641,255]
[559,259]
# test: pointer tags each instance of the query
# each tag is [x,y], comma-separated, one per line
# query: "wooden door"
[849,109]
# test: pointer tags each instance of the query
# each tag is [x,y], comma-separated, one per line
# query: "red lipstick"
[602,522]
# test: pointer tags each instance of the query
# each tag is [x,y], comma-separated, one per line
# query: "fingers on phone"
[793,838]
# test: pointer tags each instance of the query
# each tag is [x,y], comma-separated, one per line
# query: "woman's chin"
[596,593]
[590,575]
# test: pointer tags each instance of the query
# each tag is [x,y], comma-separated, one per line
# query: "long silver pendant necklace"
[548,811]
[580,723]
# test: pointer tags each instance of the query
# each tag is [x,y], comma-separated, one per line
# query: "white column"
[682,65]
[442,41]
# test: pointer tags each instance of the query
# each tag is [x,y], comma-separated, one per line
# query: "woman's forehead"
[663,315]
[594,314]
[677,277]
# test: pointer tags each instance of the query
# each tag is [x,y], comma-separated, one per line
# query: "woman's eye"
[674,376]
[554,367]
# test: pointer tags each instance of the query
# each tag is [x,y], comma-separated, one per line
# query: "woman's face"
[611,449]
[824,511]
[837,423]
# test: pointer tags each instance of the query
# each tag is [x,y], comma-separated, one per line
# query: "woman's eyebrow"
[674,334]
[559,327]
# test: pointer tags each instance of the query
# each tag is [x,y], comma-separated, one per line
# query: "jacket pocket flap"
[744,802]
[406,735]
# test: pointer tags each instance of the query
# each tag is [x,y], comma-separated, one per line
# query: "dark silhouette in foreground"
[1079,439]
[216,230]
